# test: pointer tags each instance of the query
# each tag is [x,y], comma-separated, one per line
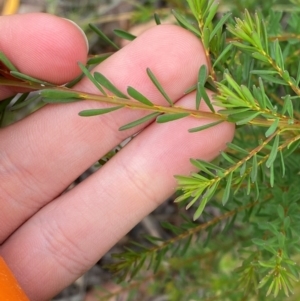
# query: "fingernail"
[86,40]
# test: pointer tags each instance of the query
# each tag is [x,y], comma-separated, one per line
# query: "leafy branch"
[131,262]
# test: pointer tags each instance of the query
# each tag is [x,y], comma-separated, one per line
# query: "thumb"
[43,46]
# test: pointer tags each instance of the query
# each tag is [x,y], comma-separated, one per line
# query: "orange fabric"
[10,290]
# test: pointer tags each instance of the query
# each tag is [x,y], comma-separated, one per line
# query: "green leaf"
[248,96]
[247,119]
[219,25]
[264,72]
[260,57]
[298,75]
[202,76]
[254,169]
[228,158]
[185,23]
[138,267]
[124,35]
[244,47]
[62,100]
[103,36]
[282,164]
[256,39]
[286,76]
[170,117]
[263,102]
[292,147]
[267,264]
[196,196]
[235,112]
[139,97]
[186,245]
[191,89]
[258,242]
[243,169]
[265,36]
[206,98]
[223,54]
[272,128]
[278,54]
[207,196]
[205,126]
[102,80]
[153,239]
[28,78]
[273,152]
[95,112]
[274,80]
[227,189]
[237,148]
[60,96]
[159,87]
[233,84]
[201,92]
[264,281]
[280,211]
[97,59]
[7,62]
[19,105]
[139,121]
[288,106]
[211,14]
[87,73]
[157,19]
[206,166]
[205,37]
[74,81]
[21,99]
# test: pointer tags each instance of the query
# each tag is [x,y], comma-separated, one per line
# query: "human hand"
[48,239]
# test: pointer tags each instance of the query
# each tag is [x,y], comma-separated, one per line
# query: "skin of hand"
[47,238]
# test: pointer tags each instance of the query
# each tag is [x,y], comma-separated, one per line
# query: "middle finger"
[60,145]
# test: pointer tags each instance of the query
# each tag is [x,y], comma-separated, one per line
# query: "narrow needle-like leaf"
[139,97]
[157,19]
[57,96]
[273,152]
[97,59]
[170,117]
[124,34]
[206,98]
[139,121]
[222,55]
[103,36]
[204,127]
[282,164]
[91,78]
[7,62]
[159,87]
[272,128]
[24,103]
[28,78]
[298,75]
[102,80]
[207,196]
[227,189]
[185,23]
[202,76]
[95,112]
[219,25]
[254,169]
